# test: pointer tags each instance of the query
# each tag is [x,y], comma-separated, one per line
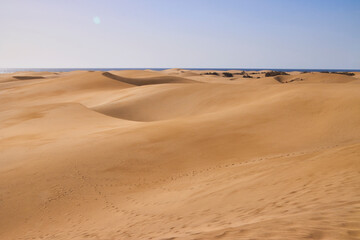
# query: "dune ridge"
[178,154]
[147,80]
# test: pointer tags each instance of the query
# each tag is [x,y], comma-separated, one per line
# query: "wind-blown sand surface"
[177,154]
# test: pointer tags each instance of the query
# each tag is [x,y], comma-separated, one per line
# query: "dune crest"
[148,80]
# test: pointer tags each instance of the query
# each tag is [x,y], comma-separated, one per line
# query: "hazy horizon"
[182,34]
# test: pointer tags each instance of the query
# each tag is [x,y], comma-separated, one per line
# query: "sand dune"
[147,80]
[316,78]
[27,77]
[177,154]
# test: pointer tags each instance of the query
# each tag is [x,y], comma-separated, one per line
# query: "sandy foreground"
[178,154]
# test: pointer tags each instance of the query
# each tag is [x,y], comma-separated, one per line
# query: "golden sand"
[177,154]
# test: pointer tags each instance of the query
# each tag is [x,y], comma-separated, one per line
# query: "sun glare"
[96,20]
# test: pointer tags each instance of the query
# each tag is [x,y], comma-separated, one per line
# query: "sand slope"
[178,154]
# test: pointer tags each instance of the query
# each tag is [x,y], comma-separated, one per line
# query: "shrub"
[247,76]
[211,73]
[345,73]
[227,74]
[275,73]
[240,73]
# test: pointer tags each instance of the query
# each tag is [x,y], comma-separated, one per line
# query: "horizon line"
[206,68]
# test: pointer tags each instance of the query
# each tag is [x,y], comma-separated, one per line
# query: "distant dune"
[179,154]
[147,80]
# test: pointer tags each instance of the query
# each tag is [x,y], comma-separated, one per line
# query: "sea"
[12,70]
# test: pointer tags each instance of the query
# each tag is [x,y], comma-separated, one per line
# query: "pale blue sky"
[180,33]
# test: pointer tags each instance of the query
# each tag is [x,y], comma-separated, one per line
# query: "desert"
[179,154]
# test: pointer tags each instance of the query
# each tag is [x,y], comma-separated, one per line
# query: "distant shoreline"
[12,70]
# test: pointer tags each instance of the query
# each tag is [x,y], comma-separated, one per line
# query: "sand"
[178,154]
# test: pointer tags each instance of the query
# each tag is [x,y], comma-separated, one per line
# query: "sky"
[180,33]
